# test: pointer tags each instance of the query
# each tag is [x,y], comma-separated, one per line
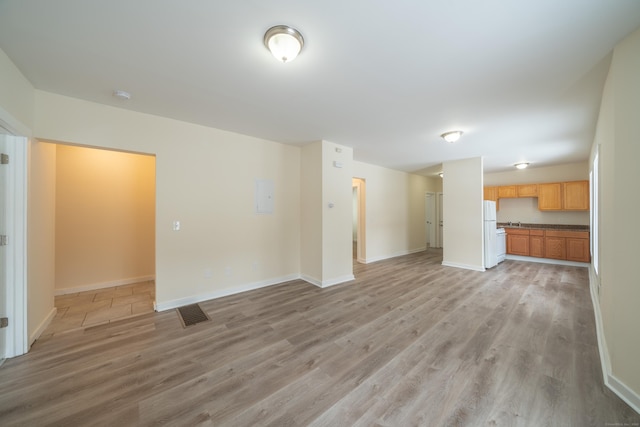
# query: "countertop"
[564,227]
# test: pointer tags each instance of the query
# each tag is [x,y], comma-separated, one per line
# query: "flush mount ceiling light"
[452,136]
[522,165]
[121,94]
[284,42]
[441,175]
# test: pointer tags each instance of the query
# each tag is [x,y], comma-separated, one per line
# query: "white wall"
[205,179]
[41,237]
[526,209]
[105,218]
[395,210]
[337,244]
[617,136]
[462,211]
[17,97]
[311,212]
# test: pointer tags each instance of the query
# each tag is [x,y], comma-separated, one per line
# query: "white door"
[3,248]
[430,214]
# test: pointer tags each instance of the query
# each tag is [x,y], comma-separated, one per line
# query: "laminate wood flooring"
[408,343]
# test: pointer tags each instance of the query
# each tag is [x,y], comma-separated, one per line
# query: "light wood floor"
[410,342]
[91,308]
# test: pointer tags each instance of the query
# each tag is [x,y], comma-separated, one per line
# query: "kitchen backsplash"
[525,210]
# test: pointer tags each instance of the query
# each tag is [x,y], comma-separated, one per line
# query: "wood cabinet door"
[507,191]
[491,193]
[550,197]
[518,244]
[578,250]
[527,190]
[536,246]
[555,247]
[576,195]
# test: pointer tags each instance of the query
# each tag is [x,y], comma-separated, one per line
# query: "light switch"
[176,225]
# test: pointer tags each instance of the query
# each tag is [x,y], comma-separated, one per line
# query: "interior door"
[430,214]
[3,248]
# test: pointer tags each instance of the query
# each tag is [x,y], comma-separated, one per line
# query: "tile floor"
[91,308]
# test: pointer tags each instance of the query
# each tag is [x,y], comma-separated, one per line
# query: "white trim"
[42,326]
[614,384]
[465,266]
[13,125]
[395,255]
[547,261]
[102,285]
[327,283]
[16,274]
[168,305]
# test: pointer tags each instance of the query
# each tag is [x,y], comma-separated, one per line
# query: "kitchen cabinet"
[578,249]
[517,241]
[527,190]
[575,196]
[536,243]
[555,247]
[491,193]
[554,244]
[567,245]
[507,191]
[550,196]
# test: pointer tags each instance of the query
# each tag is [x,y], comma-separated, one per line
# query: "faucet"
[519,224]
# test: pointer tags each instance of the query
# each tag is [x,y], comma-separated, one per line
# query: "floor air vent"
[191,315]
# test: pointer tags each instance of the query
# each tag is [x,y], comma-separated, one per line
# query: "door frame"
[17,342]
[434,219]
[361,229]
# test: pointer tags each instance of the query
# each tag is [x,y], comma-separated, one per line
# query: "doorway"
[104,210]
[359,218]
[430,218]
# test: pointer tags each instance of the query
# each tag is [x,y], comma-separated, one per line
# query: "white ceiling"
[523,80]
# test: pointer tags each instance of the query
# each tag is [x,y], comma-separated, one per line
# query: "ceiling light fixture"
[522,165]
[284,42]
[452,136]
[121,94]
[441,175]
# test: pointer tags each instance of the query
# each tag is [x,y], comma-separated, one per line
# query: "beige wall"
[462,214]
[337,259]
[105,218]
[205,179]
[617,137]
[395,210]
[526,209]
[311,210]
[41,236]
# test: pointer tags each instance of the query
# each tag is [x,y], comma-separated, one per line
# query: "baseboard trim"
[42,326]
[328,283]
[168,305]
[395,255]
[615,385]
[465,266]
[102,285]
[547,260]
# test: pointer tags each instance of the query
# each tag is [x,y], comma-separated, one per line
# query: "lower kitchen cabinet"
[555,247]
[517,242]
[536,243]
[578,250]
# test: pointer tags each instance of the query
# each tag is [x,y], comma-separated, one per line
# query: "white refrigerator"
[490,235]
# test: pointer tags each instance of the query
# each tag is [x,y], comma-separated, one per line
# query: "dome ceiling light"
[522,165]
[452,136]
[284,42]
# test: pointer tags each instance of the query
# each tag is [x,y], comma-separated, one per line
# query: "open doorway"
[359,217]
[104,206]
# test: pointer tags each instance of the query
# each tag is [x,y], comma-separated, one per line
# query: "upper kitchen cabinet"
[550,196]
[491,193]
[507,191]
[527,190]
[576,196]
[567,196]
